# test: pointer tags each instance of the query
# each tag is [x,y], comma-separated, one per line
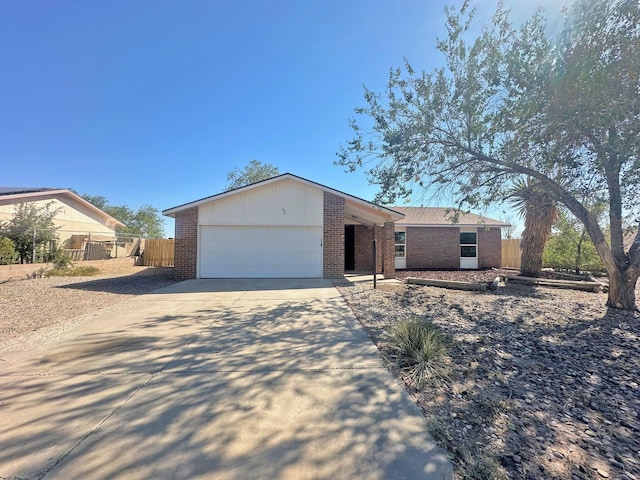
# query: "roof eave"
[466,225]
[392,214]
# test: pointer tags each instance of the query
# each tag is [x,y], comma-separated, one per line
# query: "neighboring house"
[74,215]
[428,238]
[288,226]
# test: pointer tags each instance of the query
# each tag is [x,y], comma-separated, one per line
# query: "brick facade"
[437,247]
[363,246]
[186,244]
[363,240]
[489,247]
[333,243]
[333,237]
[388,250]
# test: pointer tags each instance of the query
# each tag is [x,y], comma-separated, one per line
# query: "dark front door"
[349,248]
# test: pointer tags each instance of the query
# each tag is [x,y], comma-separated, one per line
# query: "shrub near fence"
[158,253]
[22,271]
[511,253]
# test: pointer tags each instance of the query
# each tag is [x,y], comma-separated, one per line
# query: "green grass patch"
[75,271]
[420,349]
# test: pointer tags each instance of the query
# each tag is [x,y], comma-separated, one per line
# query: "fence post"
[33,253]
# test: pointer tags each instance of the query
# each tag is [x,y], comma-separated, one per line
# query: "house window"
[400,244]
[468,251]
[468,244]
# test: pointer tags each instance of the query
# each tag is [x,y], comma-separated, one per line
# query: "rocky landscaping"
[542,383]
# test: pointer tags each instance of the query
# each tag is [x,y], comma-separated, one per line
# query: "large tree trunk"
[532,246]
[624,269]
[622,288]
[540,215]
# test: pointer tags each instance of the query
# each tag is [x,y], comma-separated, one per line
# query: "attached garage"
[282,227]
[260,252]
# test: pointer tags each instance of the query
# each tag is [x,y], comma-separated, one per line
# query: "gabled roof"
[356,209]
[9,195]
[439,217]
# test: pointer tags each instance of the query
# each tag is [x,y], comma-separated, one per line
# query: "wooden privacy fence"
[158,253]
[511,253]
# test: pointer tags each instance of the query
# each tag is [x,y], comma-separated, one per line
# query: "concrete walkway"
[224,379]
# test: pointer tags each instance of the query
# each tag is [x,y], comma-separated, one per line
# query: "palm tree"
[540,213]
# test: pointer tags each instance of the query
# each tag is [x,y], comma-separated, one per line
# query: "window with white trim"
[468,244]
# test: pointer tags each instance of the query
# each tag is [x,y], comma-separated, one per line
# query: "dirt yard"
[544,383]
[31,310]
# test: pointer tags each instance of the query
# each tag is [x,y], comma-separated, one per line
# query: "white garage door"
[260,252]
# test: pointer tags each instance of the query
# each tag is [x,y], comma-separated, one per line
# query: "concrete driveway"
[222,379]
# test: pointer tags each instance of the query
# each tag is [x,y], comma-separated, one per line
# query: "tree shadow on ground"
[259,391]
[543,380]
[144,281]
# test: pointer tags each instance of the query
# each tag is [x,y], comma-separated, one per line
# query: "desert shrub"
[74,271]
[59,259]
[480,467]
[420,349]
[8,253]
[39,273]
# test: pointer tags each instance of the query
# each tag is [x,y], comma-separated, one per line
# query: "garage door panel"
[263,252]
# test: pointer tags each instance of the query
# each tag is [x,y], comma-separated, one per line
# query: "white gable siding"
[284,203]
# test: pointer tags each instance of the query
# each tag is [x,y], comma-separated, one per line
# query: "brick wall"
[363,246]
[186,244]
[388,250]
[436,247]
[489,247]
[333,237]
[362,241]
[440,247]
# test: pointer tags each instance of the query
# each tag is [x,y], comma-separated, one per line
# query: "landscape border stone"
[430,282]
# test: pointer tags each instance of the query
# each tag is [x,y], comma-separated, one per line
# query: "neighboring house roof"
[14,190]
[9,195]
[356,209]
[439,217]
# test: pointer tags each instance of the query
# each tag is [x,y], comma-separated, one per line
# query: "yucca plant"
[540,213]
[420,349]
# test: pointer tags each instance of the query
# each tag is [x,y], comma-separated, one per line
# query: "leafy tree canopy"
[31,223]
[513,103]
[570,247]
[146,221]
[254,171]
[8,254]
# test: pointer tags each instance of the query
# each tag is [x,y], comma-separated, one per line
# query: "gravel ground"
[33,310]
[544,383]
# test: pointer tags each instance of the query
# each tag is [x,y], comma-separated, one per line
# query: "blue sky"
[154,102]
